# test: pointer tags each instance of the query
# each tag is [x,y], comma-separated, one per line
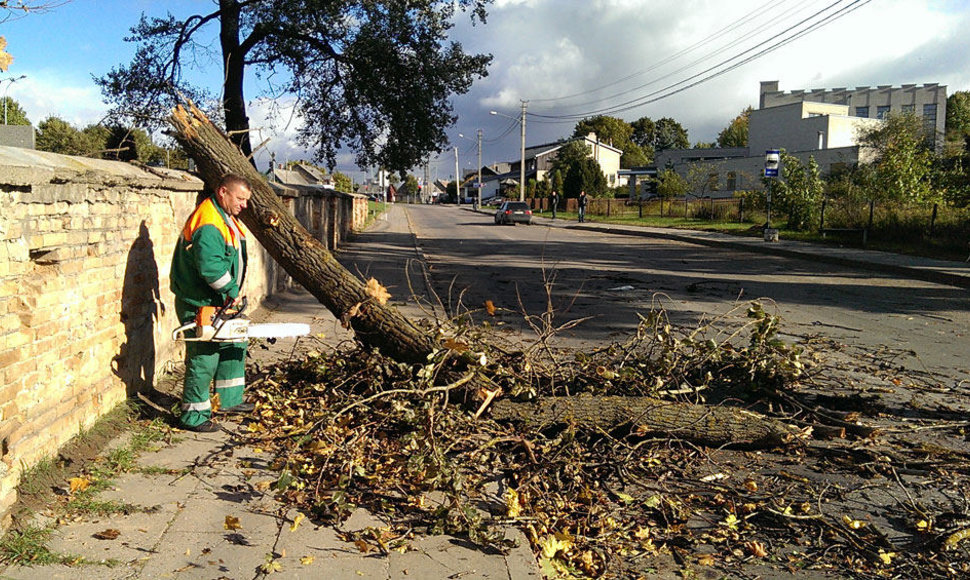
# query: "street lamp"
[522,163]
[478,197]
[11,80]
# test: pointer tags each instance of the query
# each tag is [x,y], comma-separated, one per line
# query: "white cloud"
[43,95]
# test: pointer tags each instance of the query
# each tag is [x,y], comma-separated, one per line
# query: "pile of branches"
[351,429]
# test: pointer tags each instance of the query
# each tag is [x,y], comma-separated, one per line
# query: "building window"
[882,111]
[732,181]
[862,111]
[929,114]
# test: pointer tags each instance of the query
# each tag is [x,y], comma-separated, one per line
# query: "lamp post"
[9,81]
[457,178]
[521,122]
[478,197]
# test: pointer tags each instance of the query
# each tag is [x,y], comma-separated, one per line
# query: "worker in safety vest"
[208,269]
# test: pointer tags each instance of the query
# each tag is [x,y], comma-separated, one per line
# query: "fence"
[705,208]
[939,229]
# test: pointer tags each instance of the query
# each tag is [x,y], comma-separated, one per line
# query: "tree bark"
[698,423]
[234,64]
[291,245]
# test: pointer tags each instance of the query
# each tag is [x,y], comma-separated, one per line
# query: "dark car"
[514,212]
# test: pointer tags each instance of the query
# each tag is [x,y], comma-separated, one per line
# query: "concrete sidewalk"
[192,487]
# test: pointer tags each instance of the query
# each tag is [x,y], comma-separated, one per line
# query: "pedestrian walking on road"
[208,268]
[554,203]
[582,206]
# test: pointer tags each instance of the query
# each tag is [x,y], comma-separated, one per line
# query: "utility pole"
[522,168]
[478,196]
[457,178]
[521,122]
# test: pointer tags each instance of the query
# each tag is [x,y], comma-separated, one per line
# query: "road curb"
[811,252]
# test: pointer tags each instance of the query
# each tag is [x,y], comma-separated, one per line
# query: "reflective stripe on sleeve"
[230,383]
[203,406]
[221,282]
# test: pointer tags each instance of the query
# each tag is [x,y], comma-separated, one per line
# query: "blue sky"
[603,51]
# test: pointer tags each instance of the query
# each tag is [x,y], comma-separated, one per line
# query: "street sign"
[772,160]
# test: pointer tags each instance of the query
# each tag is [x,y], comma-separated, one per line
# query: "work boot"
[240,409]
[207,427]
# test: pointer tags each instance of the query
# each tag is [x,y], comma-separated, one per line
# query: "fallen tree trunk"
[376,325]
[302,256]
[698,423]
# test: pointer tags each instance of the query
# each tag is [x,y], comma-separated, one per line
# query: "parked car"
[514,212]
[494,201]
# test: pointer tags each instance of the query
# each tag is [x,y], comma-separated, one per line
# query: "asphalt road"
[611,278]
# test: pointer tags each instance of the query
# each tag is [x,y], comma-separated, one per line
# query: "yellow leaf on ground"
[79,483]
[490,307]
[706,560]
[232,523]
[757,549]
[306,560]
[452,344]
[297,520]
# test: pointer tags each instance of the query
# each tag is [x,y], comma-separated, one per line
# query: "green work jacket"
[209,263]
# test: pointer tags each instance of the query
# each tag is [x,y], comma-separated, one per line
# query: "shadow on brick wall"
[141,306]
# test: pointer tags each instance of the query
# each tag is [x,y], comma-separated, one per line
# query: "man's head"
[233,193]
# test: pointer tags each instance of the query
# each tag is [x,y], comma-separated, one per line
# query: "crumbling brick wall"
[85,310]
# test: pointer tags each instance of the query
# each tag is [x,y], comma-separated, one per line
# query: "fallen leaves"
[78,484]
[108,534]
[232,523]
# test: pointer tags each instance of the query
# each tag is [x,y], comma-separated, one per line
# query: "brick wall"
[85,310]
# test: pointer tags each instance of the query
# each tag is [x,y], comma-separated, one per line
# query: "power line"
[708,40]
[676,87]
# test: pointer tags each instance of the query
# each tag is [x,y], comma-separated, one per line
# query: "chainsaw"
[226,324]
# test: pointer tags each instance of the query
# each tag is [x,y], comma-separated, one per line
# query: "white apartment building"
[822,123]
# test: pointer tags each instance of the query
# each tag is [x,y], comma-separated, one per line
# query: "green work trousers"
[223,363]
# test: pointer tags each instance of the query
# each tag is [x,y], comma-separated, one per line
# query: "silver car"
[514,212]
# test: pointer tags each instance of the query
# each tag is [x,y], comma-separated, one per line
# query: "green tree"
[584,175]
[343,182]
[570,152]
[644,132]
[957,121]
[409,190]
[670,184]
[702,178]
[579,171]
[901,159]
[15,113]
[736,133]
[556,181]
[338,56]
[799,193]
[670,135]
[618,133]
[58,136]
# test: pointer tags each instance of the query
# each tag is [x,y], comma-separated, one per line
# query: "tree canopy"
[901,158]
[736,133]
[14,113]
[618,133]
[116,143]
[373,76]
